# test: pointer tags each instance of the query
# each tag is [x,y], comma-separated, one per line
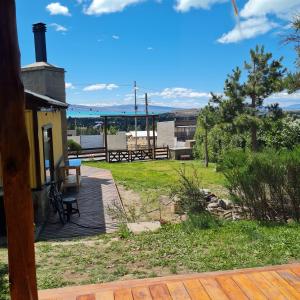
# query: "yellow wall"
[44,118]
[54,119]
[29,127]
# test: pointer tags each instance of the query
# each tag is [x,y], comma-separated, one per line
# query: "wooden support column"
[105,138]
[14,149]
[153,135]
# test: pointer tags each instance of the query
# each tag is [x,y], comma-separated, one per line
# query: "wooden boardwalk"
[277,282]
[97,192]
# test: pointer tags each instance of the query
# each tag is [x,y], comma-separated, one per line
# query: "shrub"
[266,184]
[187,192]
[73,146]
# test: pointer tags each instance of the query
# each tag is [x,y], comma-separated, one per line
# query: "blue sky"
[177,50]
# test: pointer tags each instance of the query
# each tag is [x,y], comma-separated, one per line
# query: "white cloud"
[100,86]
[179,92]
[56,8]
[282,8]
[150,48]
[115,37]
[247,29]
[99,7]
[186,5]
[59,27]
[69,85]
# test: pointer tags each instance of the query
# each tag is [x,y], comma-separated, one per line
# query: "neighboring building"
[45,115]
[140,138]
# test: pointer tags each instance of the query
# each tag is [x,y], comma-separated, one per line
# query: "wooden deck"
[277,282]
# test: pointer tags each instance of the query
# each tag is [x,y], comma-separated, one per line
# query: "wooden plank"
[86,297]
[14,149]
[105,295]
[195,289]
[248,287]
[213,289]
[291,278]
[230,288]
[177,291]
[123,294]
[141,293]
[270,291]
[159,292]
[281,284]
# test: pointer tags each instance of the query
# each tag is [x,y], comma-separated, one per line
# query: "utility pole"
[147,121]
[135,112]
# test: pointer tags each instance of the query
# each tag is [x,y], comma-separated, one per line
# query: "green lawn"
[140,176]
[173,249]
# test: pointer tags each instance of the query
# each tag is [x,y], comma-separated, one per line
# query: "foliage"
[103,258]
[203,220]
[280,134]
[4,285]
[238,117]
[124,232]
[187,192]
[267,184]
[73,146]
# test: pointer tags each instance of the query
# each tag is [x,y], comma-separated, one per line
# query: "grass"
[161,175]
[179,248]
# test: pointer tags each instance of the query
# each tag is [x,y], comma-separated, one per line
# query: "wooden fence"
[121,155]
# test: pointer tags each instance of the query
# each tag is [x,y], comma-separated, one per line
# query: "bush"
[187,192]
[266,185]
[73,146]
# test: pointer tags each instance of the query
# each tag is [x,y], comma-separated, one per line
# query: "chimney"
[39,31]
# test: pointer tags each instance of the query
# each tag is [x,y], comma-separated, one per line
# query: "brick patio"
[97,192]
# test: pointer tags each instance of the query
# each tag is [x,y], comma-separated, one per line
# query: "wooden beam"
[14,149]
[105,138]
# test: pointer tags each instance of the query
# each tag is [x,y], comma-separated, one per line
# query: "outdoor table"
[72,180]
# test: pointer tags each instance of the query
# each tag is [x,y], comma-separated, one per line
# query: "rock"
[143,226]
[212,205]
[225,204]
[214,200]
[205,191]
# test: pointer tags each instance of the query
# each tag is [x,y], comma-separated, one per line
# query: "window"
[48,154]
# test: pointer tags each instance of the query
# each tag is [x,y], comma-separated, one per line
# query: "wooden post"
[14,149]
[153,135]
[105,138]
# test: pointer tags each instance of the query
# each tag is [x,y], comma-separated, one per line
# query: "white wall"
[117,141]
[91,141]
[166,134]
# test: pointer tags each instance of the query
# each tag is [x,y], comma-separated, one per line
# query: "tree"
[293,79]
[206,120]
[242,102]
[265,77]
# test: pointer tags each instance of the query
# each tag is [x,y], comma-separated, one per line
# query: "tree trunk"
[14,149]
[254,138]
[206,159]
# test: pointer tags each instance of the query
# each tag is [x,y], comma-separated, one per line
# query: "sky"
[178,51]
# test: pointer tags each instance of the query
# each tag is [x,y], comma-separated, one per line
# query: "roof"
[41,101]
[140,133]
[41,65]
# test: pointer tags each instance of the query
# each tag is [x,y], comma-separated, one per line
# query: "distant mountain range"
[292,107]
[93,111]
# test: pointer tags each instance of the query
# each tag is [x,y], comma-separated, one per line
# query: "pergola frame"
[153,116]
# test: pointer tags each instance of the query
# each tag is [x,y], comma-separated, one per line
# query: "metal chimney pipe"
[39,30]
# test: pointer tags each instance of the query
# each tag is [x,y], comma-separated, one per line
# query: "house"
[140,139]
[45,114]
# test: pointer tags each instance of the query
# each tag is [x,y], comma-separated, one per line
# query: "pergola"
[146,116]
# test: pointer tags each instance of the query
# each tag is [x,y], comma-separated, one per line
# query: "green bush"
[187,192]
[73,146]
[266,184]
